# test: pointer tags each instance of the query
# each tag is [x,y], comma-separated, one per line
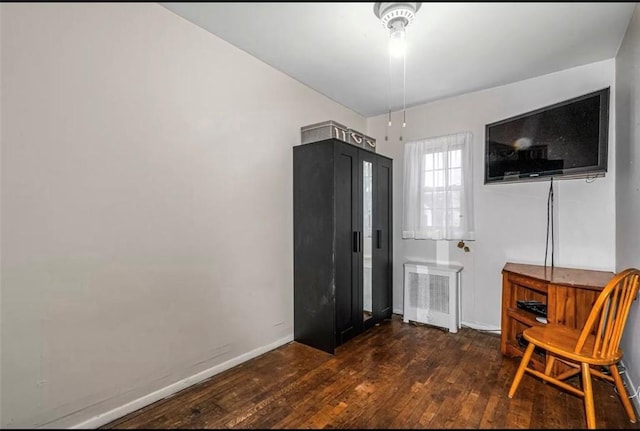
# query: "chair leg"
[588,396]
[523,364]
[622,393]
[549,367]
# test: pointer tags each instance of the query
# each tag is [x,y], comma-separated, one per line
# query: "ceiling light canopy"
[396,16]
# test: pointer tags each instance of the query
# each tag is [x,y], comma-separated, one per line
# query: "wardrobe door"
[313,246]
[366,200]
[347,242]
[383,241]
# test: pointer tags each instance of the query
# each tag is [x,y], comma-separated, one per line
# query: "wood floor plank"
[394,376]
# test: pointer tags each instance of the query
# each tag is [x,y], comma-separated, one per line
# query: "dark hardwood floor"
[395,375]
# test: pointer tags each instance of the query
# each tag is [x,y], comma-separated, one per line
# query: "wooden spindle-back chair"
[589,349]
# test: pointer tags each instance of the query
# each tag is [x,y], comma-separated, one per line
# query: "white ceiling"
[340,49]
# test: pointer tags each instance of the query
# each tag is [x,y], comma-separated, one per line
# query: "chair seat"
[561,340]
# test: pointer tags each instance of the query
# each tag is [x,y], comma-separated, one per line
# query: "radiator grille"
[429,291]
[432,295]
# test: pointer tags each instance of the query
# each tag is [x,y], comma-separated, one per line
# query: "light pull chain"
[386,134]
[404,92]
[389,87]
[386,137]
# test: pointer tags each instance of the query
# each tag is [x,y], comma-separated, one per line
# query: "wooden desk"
[568,293]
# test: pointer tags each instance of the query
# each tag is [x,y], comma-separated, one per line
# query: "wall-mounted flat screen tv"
[566,140]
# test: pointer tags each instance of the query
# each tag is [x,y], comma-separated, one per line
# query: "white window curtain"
[438,188]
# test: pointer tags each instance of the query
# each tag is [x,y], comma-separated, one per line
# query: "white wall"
[146,206]
[628,181]
[510,219]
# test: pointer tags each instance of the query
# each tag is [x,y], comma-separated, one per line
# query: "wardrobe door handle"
[356,242]
[379,238]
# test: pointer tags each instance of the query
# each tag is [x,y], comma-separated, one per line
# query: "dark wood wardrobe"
[343,255]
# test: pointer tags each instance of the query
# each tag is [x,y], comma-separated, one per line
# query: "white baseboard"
[481,327]
[631,387]
[118,412]
[475,325]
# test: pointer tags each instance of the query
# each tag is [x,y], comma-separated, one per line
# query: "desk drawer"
[540,286]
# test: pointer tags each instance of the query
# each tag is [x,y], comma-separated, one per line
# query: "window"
[438,200]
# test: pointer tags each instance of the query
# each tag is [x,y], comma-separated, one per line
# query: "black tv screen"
[568,139]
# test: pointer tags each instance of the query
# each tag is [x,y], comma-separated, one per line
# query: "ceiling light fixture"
[396,16]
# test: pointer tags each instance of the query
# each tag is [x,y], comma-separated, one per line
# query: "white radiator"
[432,294]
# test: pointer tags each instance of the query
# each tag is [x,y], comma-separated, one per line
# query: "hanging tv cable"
[549,222]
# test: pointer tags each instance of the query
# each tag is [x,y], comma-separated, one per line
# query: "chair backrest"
[609,313]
